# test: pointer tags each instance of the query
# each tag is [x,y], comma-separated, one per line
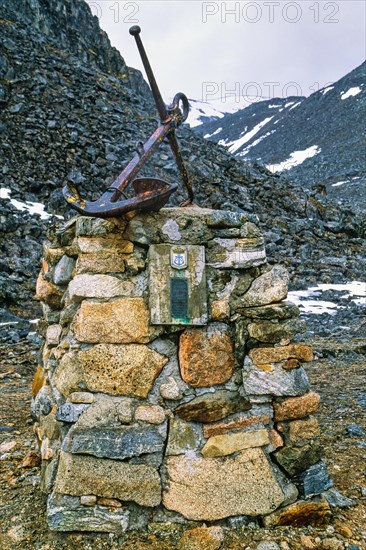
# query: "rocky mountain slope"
[318,140]
[70,110]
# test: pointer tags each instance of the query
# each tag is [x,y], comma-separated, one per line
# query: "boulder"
[275,382]
[121,321]
[114,442]
[296,407]
[300,514]
[270,287]
[84,475]
[227,444]
[114,369]
[206,356]
[209,489]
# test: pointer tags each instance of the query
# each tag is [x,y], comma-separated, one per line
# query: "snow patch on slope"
[206,136]
[351,92]
[247,149]
[296,105]
[296,158]
[345,181]
[30,206]
[200,109]
[235,145]
[326,90]
[5,193]
[356,290]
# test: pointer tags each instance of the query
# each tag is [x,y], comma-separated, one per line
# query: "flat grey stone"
[70,412]
[236,522]
[355,430]
[336,499]
[101,286]
[282,310]
[268,545]
[63,271]
[268,288]
[43,402]
[117,443]
[278,382]
[226,232]
[66,513]
[138,231]
[182,437]
[171,225]
[48,475]
[236,253]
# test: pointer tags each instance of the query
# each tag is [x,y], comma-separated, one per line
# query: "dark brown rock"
[211,407]
[283,310]
[297,459]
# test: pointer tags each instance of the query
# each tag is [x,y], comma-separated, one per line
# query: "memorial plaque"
[179,299]
[177,285]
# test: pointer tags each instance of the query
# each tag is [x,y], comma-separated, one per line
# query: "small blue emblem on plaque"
[178,258]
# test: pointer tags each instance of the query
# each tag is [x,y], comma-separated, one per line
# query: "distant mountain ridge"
[315,141]
[70,25]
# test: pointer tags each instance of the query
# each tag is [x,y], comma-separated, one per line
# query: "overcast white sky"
[263,47]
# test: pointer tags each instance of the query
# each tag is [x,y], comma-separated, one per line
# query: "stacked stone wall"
[208,419]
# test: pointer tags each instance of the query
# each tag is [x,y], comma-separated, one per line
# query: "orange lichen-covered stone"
[303,429]
[48,292]
[220,309]
[291,364]
[275,439]
[261,356]
[300,514]
[121,321]
[38,380]
[206,356]
[107,262]
[218,428]
[296,407]
[114,369]
[202,538]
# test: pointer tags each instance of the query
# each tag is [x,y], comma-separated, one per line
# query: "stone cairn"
[168,395]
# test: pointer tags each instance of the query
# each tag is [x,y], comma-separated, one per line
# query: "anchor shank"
[173,142]
[134,166]
[160,105]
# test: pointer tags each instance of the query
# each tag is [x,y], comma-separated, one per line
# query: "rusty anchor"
[150,193]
